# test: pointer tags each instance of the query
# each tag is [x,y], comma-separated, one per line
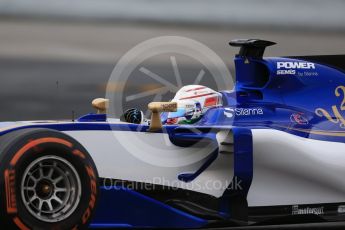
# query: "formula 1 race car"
[269,151]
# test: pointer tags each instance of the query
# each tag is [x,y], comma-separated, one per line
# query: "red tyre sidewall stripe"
[36,142]
[20,224]
[92,201]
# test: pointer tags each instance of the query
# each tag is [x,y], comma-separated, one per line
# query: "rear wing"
[253,48]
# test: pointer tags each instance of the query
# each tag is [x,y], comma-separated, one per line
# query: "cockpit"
[192,102]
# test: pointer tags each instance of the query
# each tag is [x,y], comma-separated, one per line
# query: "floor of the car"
[306,226]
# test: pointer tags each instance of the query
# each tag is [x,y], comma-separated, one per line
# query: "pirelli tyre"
[48,181]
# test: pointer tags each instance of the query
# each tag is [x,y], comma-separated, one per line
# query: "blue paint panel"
[281,96]
[123,207]
[243,158]
[235,196]
[93,117]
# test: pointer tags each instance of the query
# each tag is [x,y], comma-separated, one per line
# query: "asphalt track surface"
[49,69]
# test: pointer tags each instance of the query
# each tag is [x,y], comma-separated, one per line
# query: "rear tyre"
[48,181]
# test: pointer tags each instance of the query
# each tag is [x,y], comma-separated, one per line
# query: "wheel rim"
[51,188]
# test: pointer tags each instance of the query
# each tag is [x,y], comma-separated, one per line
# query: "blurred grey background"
[56,56]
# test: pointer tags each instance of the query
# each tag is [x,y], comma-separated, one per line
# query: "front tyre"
[48,181]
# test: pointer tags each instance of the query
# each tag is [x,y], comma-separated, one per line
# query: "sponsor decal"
[230,112]
[93,185]
[10,190]
[295,65]
[299,119]
[286,72]
[335,116]
[172,106]
[307,210]
[290,68]
[211,101]
[341,209]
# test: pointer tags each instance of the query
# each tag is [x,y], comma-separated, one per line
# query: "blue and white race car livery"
[271,150]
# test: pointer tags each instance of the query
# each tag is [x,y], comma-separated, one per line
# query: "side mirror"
[101,104]
[156,108]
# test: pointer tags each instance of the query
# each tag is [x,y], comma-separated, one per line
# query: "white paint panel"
[293,170]
[152,158]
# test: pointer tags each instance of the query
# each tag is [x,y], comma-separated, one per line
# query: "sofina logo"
[307,210]
[336,117]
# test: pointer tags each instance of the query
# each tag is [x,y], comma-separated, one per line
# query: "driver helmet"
[192,103]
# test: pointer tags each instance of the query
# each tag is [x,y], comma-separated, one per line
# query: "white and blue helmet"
[192,102]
